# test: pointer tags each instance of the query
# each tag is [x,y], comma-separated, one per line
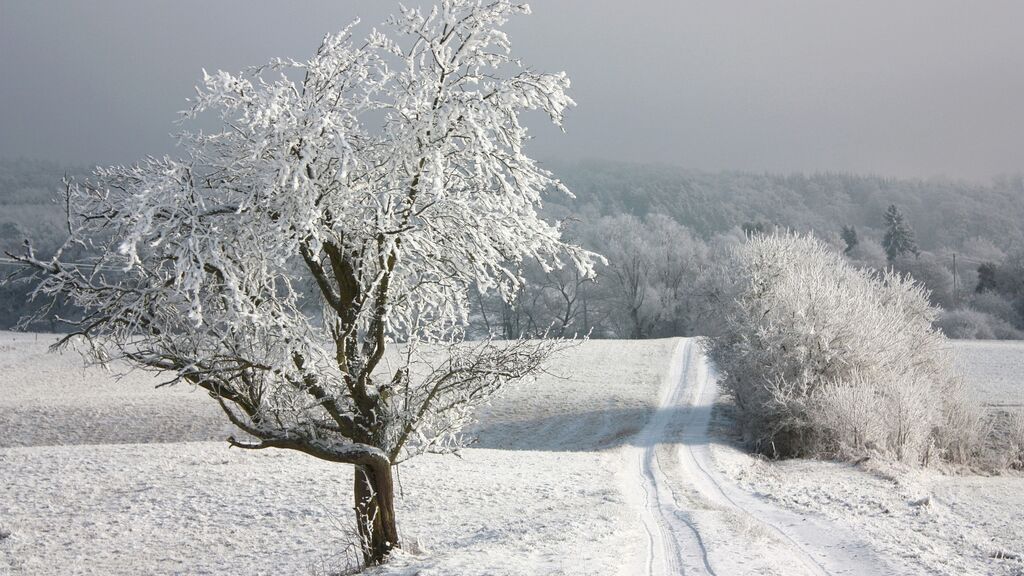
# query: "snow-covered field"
[115,477]
[995,368]
[53,399]
[571,475]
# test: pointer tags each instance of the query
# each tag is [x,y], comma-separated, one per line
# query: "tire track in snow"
[695,454]
[676,544]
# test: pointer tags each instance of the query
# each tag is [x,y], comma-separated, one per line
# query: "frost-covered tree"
[868,253]
[554,301]
[389,174]
[550,301]
[631,274]
[899,236]
[753,228]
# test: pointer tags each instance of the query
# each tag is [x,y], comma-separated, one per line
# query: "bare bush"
[824,359]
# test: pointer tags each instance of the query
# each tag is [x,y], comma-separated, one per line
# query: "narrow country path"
[675,545]
[697,522]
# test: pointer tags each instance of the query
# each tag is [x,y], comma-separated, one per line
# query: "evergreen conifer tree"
[899,236]
[849,235]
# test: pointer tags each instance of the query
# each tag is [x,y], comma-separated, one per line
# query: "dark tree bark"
[375,512]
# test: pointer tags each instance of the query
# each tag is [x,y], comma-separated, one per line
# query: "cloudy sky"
[905,88]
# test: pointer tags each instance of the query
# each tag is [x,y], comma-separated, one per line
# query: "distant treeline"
[944,213]
[663,230]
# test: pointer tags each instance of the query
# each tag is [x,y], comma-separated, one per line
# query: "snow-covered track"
[675,545]
[697,522]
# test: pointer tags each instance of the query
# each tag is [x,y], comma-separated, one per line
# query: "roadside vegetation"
[823,359]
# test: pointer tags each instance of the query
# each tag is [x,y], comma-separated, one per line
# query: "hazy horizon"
[920,89]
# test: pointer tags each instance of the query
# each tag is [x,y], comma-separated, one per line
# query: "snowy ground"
[197,508]
[995,368]
[105,477]
[926,523]
[715,528]
[53,399]
[572,475]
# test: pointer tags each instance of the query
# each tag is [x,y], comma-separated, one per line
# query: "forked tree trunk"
[375,512]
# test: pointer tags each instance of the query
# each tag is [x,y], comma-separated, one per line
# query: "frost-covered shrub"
[1016,439]
[825,359]
[965,426]
[1007,440]
[929,271]
[995,305]
[968,324]
[853,412]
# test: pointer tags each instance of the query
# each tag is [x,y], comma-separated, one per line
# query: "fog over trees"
[663,230]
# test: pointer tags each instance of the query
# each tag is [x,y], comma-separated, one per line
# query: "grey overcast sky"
[898,88]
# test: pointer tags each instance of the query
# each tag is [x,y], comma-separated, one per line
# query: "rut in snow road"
[675,545]
[699,523]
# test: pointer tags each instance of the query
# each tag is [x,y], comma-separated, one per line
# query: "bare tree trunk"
[638,330]
[483,312]
[375,512]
